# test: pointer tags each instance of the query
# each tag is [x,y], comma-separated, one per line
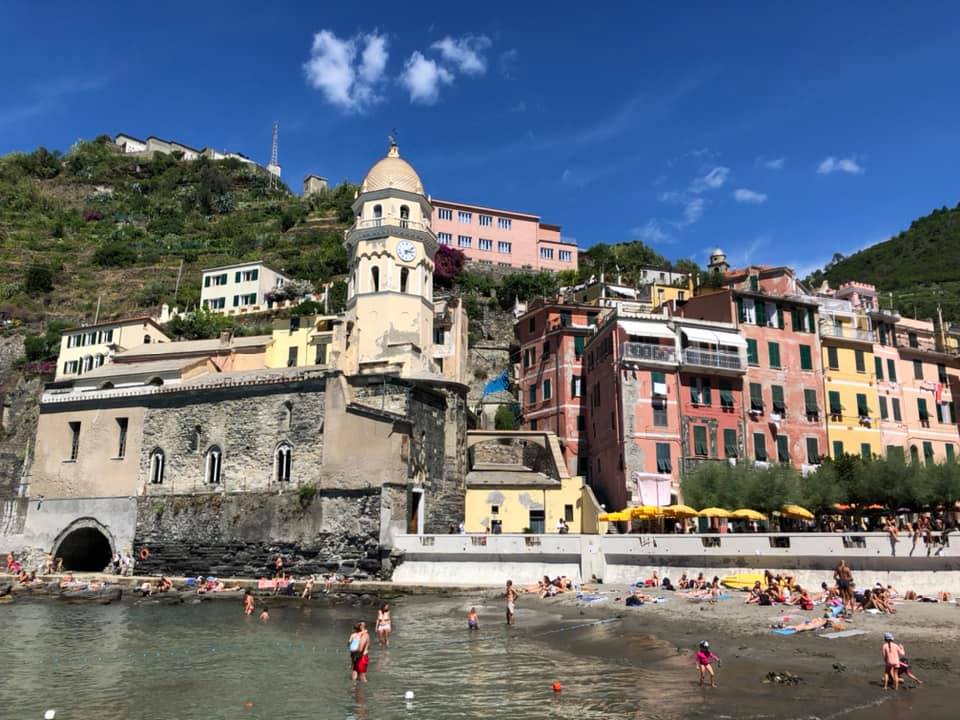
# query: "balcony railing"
[391,222]
[722,359]
[849,333]
[649,352]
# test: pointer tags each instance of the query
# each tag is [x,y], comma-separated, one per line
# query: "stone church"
[190,468]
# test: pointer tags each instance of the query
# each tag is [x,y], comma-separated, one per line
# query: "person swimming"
[473,620]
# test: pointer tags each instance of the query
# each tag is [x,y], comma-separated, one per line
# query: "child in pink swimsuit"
[705,658]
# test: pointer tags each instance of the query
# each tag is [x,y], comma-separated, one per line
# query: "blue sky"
[782,132]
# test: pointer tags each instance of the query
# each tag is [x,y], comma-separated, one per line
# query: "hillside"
[93,223]
[919,266]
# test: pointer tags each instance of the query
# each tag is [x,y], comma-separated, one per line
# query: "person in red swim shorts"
[359,644]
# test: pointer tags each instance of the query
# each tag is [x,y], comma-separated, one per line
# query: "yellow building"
[301,341]
[518,483]
[849,379]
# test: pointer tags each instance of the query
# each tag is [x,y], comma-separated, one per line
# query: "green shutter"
[863,409]
[781,320]
[860,360]
[726,394]
[797,315]
[865,451]
[883,407]
[918,370]
[806,358]
[730,443]
[896,410]
[753,356]
[760,446]
[706,397]
[755,283]
[774,350]
[776,392]
[663,458]
[835,407]
[700,440]
[741,313]
[949,448]
[811,320]
[922,410]
[658,377]
[891,370]
[837,449]
[694,392]
[760,308]
[810,402]
[939,410]
[833,361]
[928,452]
[813,451]
[895,452]
[783,449]
[578,343]
[756,396]
[878,367]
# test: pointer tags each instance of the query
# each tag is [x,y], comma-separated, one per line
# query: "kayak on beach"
[741,581]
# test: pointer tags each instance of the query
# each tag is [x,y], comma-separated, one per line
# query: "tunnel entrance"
[85,549]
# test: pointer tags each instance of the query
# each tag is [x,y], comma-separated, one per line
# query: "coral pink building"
[784,416]
[501,237]
[552,339]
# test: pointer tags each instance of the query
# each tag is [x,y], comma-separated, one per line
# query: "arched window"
[107,386]
[288,414]
[156,382]
[404,215]
[377,214]
[283,461]
[404,279]
[156,466]
[212,471]
[146,339]
[914,454]
[375,279]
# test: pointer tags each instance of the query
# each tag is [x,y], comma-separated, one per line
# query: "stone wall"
[247,424]
[240,535]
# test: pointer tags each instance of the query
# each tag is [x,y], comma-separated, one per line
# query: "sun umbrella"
[714,512]
[644,511]
[621,516]
[747,514]
[796,512]
[679,511]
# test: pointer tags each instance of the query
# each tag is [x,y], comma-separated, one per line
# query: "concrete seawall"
[810,557]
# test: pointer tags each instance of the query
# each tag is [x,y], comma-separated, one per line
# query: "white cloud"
[693,211]
[743,195]
[651,233]
[345,80]
[711,181]
[465,52]
[833,164]
[671,197]
[422,77]
[774,164]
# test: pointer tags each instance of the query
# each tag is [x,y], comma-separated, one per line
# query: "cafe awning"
[646,329]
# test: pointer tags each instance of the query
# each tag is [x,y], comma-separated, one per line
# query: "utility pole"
[96,315]
[273,168]
[176,291]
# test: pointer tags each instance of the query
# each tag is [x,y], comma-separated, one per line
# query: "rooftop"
[192,347]
[139,320]
[246,264]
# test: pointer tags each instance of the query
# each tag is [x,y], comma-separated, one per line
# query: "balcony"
[846,333]
[715,359]
[649,352]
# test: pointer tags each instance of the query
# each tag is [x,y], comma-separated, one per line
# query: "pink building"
[552,339]
[501,237]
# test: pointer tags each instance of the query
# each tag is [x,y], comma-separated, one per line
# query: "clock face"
[406,250]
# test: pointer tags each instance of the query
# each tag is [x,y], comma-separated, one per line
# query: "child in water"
[705,658]
[248,603]
[264,615]
[473,620]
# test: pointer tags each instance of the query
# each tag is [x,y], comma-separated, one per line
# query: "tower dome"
[392,172]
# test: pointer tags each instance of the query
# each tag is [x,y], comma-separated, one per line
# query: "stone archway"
[86,546]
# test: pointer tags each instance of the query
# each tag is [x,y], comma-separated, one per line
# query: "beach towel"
[842,634]
[784,631]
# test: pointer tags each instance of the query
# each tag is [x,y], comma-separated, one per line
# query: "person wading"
[511,597]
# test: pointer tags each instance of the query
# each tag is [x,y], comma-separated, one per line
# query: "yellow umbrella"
[796,512]
[679,511]
[643,511]
[621,516]
[714,512]
[746,514]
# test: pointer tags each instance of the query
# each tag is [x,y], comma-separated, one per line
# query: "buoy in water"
[557,687]
[408,695]
[248,704]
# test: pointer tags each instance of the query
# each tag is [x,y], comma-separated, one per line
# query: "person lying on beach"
[814,624]
[67,580]
[637,599]
[145,588]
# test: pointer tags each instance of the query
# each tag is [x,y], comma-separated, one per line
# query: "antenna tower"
[274,167]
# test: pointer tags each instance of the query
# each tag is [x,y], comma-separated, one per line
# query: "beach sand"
[840,678]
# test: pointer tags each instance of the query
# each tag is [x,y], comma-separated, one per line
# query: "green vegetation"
[918,266]
[849,479]
[505,418]
[93,223]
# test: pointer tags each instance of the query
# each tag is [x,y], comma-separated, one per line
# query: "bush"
[151,294]
[40,348]
[337,297]
[115,254]
[447,265]
[38,280]
[526,286]
[505,418]
[307,307]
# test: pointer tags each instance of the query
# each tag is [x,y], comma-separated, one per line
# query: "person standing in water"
[384,626]
[248,603]
[473,620]
[893,655]
[705,658]
[511,596]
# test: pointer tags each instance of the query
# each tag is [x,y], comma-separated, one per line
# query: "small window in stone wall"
[284,462]
[195,436]
[212,465]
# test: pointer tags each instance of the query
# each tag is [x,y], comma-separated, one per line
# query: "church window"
[375,279]
[283,458]
[404,215]
[213,465]
[404,279]
[377,213]
[156,466]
